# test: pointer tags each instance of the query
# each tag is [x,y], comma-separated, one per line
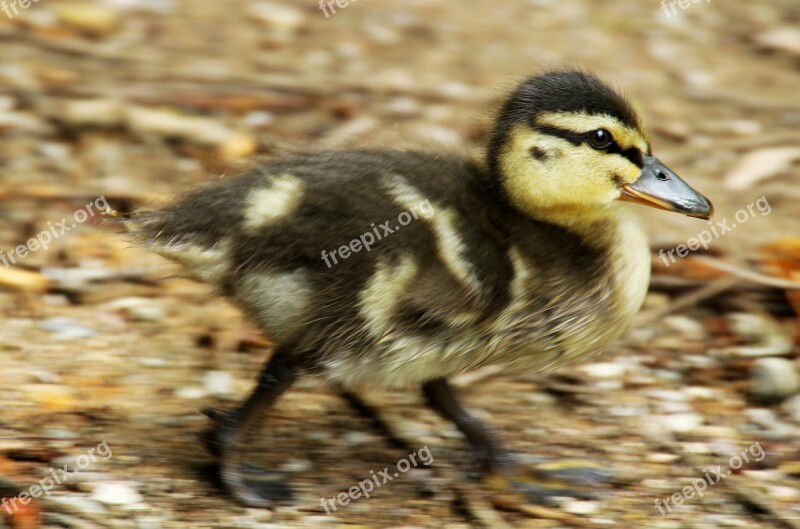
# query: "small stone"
[277,16]
[783,493]
[191,393]
[702,392]
[762,417]
[774,379]
[668,395]
[744,127]
[696,448]
[680,422]
[138,309]
[95,19]
[785,39]
[688,327]
[91,112]
[604,370]
[759,165]
[357,438]
[296,465]
[769,338]
[66,329]
[116,493]
[662,458]
[218,383]
[792,408]
[580,507]
[50,396]
[81,504]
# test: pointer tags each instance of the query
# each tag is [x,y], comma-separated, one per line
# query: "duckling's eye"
[600,139]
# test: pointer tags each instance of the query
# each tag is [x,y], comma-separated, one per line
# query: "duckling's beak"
[659,187]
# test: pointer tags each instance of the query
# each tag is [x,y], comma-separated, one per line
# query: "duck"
[386,268]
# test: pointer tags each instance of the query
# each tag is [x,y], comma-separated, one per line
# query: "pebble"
[89,18]
[81,504]
[696,448]
[580,507]
[784,493]
[296,465]
[604,370]
[769,337]
[218,383]
[762,417]
[51,396]
[191,393]
[785,39]
[759,165]
[44,377]
[702,392]
[23,280]
[138,309]
[744,127]
[277,16]
[692,329]
[202,130]
[357,438]
[658,457]
[91,113]
[679,422]
[116,493]
[792,408]
[668,395]
[774,379]
[66,329]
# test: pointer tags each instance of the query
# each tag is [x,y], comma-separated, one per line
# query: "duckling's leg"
[487,452]
[228,439]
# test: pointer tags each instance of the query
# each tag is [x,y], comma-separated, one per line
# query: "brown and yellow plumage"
[526,262]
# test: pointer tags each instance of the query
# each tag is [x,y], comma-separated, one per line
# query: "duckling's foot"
[227,439]
[488,454]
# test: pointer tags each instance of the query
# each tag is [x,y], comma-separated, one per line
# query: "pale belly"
[517,342]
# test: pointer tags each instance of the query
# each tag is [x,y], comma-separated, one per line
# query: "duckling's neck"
[616,233]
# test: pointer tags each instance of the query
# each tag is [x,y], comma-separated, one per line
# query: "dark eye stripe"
[632,154]
[572,137]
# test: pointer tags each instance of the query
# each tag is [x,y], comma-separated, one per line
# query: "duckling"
[386,268]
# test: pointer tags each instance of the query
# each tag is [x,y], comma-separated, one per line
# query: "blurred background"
[127,102]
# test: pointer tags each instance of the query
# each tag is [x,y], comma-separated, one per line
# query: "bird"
[402,268]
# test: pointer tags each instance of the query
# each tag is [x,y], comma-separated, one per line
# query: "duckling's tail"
[159,231]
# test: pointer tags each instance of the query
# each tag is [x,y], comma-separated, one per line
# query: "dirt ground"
[104,348]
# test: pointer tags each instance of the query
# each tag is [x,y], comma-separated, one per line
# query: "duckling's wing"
[353,240]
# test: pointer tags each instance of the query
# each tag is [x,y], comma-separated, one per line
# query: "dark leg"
[487,452]
[228,439]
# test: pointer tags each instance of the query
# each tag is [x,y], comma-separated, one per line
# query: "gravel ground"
[106,350]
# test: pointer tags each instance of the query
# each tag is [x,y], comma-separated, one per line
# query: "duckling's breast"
[558,312]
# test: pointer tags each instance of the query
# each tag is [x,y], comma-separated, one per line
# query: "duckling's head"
[565,145]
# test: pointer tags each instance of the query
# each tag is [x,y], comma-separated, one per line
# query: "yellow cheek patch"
[560,175]
[567,176]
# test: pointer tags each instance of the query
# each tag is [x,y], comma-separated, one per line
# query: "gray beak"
[659,187]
